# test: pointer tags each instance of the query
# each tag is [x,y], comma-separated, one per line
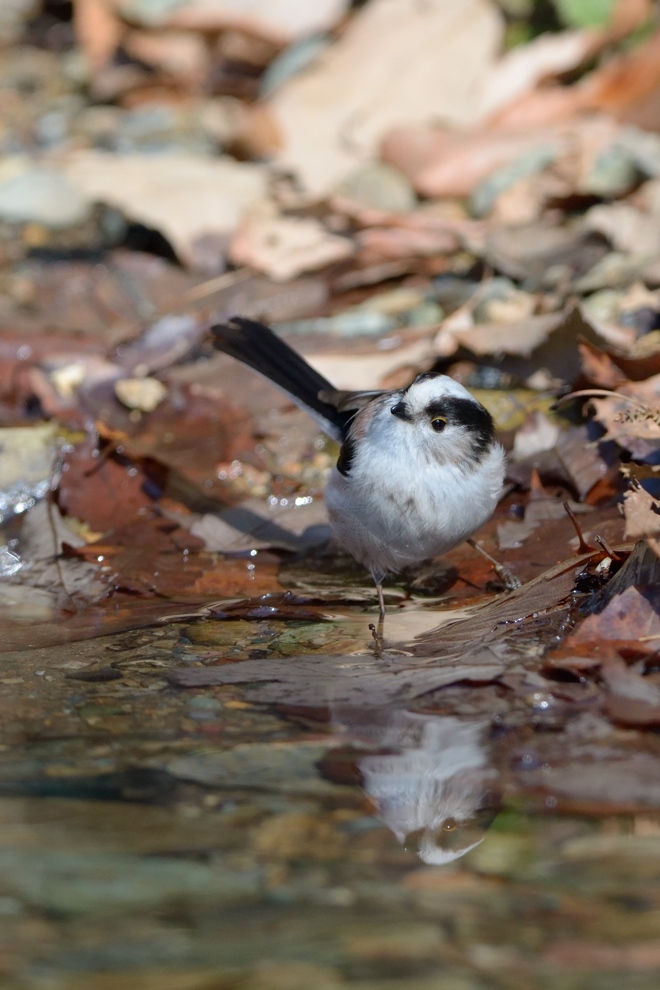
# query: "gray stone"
[41,195]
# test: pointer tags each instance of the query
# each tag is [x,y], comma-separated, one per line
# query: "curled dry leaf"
[283,247]
[279,21]
[642,515]
[520,337]
[625,418]
[98,29]
[599,367]
[632,616]
[183,196]
[401,242]
[627,228]
[523,67]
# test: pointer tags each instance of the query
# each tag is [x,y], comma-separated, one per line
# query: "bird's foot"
[511,582]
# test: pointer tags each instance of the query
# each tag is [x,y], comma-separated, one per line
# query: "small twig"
[213,285]
[583,546]
[607,548]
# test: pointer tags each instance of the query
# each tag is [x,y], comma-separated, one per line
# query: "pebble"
[40,195]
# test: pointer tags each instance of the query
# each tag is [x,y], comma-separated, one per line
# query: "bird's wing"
[350,401]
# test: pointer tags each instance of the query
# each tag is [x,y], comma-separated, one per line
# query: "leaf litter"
[176,629]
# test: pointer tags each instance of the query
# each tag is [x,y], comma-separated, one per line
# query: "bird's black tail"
[257,346]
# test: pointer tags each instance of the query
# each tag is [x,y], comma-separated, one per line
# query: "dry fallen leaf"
[523,67]
[599,367]
[181,195]
[179,53]
[279,21]
[98,29]
[642,515]
[442,162]
[521,337]
[627,228]
[626,418]
[631,616]
[384,70]
[366,371]
[283,247]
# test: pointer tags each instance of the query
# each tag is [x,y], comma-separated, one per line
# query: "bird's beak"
[400,410]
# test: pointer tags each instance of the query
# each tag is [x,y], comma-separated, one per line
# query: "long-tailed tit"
[419,468]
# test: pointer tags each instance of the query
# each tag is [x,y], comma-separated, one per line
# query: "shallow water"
[155,837]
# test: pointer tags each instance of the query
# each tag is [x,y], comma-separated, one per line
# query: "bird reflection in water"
[432,785]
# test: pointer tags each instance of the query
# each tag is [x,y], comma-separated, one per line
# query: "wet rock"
[379,186]
[93,884]
[40,195]
[486,194]
[14,15]
[276,766]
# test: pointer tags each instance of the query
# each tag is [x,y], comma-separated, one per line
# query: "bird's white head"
[442,419]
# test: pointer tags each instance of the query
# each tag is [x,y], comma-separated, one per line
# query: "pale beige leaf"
[183,196]
[627,228]
[180,53]
[365,371]
[280,21]
[398,61]
[642,515]
[523,67]
[283,247]
[520,337]
[626,419]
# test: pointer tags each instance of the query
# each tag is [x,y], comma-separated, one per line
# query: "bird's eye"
[438,423]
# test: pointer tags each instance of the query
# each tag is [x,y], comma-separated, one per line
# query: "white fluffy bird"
[419,468]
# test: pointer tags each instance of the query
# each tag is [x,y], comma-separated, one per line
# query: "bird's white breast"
[398,506]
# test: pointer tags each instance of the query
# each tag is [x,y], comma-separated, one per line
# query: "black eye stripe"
[468,413]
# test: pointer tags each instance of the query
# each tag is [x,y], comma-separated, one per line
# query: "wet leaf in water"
[476,647]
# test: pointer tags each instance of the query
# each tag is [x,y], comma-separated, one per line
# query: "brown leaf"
[383,70]
[284,247]
[633,615]
[642,514]
[377,243]
[101,491]
[626,420]
[477,649]
[445,163]
[520,338]
[99,30]
[598,367]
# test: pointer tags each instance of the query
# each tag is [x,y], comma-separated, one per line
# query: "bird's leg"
[377,631]
[377,636]
[381,603]
[511,582]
